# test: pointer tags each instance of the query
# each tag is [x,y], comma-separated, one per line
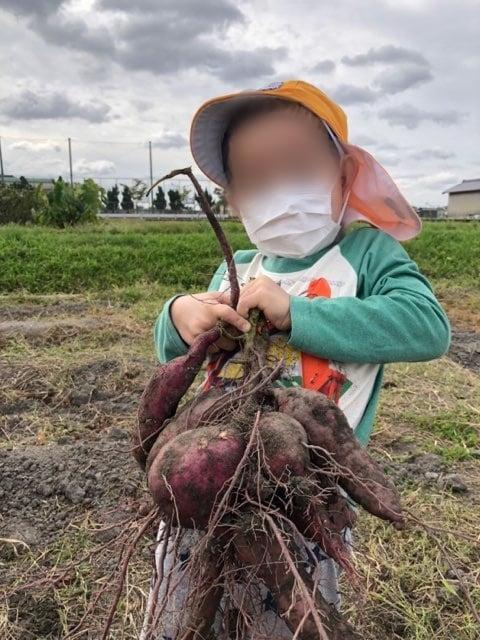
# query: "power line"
[142,144]
[70,144]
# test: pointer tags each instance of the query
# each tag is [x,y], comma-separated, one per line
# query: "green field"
[181,254]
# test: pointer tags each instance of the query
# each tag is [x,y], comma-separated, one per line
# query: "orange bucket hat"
[374,196]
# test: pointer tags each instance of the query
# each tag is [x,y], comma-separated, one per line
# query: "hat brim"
[208,128]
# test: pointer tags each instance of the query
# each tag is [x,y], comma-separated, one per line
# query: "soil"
[465,348]
[70,476]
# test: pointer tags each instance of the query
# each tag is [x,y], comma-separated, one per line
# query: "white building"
[464,199]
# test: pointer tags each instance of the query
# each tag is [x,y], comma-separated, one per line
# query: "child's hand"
[269,297]
[194,314]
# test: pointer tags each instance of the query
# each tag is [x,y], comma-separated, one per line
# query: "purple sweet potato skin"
[164,390]
[189,417]
[284,441]
[194,467]
[327,427]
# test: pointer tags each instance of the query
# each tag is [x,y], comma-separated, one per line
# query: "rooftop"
[465,185]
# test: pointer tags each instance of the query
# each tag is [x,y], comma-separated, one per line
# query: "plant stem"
[222,239]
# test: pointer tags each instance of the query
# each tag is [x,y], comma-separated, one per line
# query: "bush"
[21,203]
[69,205]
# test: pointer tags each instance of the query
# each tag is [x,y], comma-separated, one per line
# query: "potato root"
[200,616]
[264,555]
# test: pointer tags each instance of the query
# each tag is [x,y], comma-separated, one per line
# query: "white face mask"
[292,221]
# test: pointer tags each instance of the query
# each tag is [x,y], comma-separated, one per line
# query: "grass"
[448,250]
[458,430]
[108,256]
[112,255]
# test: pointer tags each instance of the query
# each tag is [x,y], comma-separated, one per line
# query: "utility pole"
[151,172]
[70,160]
[1,162]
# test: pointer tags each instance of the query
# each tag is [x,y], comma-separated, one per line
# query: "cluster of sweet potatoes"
[305,454]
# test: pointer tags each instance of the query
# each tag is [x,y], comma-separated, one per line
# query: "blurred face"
[287,145]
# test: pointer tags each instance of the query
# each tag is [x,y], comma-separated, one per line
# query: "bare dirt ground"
[71,372]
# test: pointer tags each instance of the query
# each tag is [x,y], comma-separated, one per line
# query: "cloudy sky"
[112,74]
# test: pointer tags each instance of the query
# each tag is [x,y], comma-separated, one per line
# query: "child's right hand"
[199,312]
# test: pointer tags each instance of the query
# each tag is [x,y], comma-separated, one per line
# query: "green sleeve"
[394,318]
[168,342]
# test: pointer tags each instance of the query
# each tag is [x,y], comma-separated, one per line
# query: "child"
[340,303]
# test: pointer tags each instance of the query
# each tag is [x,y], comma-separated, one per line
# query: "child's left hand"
[269,297]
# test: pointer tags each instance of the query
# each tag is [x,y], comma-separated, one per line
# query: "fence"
[107,162]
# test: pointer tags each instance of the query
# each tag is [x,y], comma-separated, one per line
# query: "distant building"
[431,213]
[46,183]
[6,178]
[464,199]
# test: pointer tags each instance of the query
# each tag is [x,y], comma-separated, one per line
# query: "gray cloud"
[35,146]
[182,47]
[398,80]
[348,94]
[323,66]
[169,140]
[176,38]
[31,105]
[432,154]
[28,7]
[411,117]
[48,20]
[363,140]
[95,167]
[388,54]
[214,13]
[385,145]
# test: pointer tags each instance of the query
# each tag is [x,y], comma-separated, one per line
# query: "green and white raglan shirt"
[354,306]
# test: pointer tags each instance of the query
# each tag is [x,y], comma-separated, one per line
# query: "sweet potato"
[264,553]
[189,417]
[284,441]
[327,428]
[164,391]
[188,473]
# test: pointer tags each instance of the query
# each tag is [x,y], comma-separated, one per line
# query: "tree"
[22,183]
[208,196]
[159,202]
[127,201]
[138,189]
[21,203]
[175,200]
[69,205]
[112,203]
[221,204]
